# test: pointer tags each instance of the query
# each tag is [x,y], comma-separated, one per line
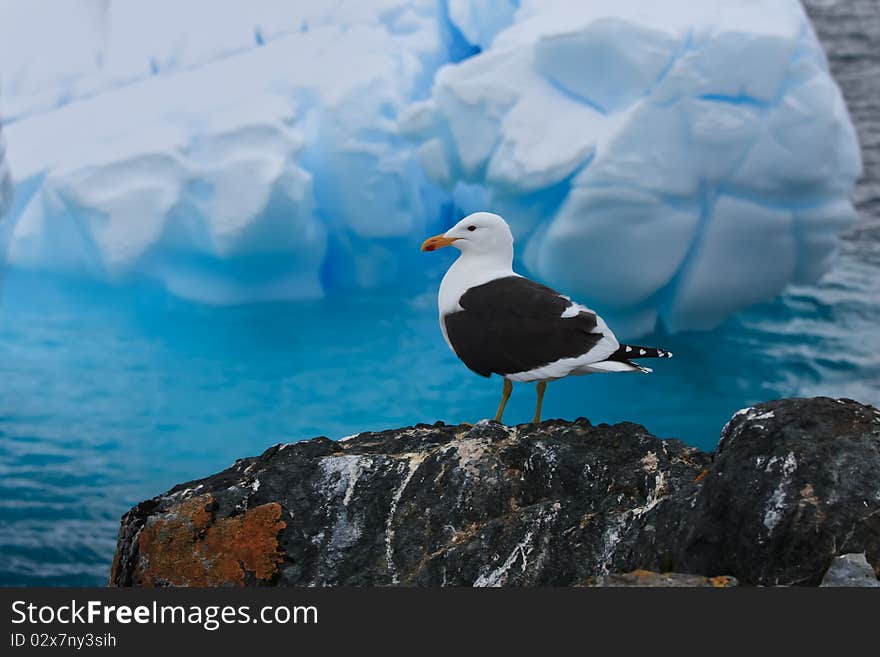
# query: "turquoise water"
[110,397]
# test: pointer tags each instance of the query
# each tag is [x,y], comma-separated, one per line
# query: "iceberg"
[234,173]
[670,163]
[5,179]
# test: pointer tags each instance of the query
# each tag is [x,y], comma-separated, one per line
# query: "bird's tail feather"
[630,351]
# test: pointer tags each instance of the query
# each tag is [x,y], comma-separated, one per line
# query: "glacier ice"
[5,178]
[207,178]
[667,162]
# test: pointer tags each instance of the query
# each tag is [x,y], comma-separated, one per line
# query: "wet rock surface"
[793,485]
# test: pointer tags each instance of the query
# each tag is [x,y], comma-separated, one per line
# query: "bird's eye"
[472,228]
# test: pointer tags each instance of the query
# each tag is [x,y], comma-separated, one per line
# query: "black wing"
[513,325]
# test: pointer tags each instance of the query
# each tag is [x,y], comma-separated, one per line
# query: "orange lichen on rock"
[248,542]
[721,582]
[114,569]
[649,578]
[187,547]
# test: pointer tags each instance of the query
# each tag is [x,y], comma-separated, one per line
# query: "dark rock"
[793,485]
[851,570]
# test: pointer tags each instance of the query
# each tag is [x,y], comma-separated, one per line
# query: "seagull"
[499,322]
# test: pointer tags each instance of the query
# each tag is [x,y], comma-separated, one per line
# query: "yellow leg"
[542,386]
[505,395]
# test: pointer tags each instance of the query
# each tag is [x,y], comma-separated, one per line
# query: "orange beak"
[437,242]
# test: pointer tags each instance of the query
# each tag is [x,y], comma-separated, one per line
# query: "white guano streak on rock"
[348,468]
[549,456]
[494,578]
[469,451]
[725,431]
[750,413]
[186,493]
[654,496]
[618,524]
[777,499]
[340,476]
[413,463]
[611,537]
[522,550]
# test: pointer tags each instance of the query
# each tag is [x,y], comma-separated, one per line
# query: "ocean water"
[110,397]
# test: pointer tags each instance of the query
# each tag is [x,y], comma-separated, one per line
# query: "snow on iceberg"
[5,179]
[667,162]
[239,178]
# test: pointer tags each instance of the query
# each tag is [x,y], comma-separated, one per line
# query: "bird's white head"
[480,233]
